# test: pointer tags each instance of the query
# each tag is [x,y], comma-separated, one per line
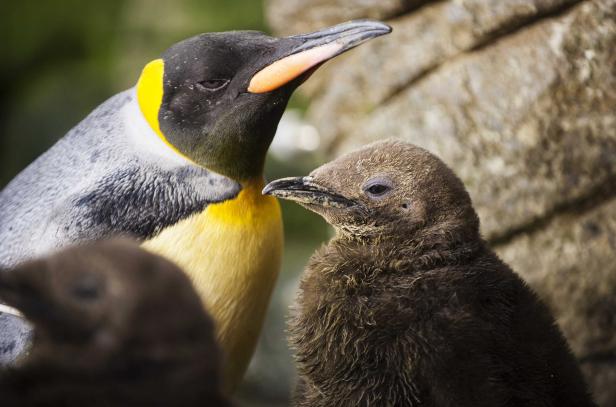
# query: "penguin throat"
[242,169]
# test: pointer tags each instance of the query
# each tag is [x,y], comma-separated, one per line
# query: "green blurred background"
[61,58]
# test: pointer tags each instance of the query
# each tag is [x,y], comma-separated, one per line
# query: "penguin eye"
[377,187]
[212,85]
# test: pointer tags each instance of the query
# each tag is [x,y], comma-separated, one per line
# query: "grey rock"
[519,98]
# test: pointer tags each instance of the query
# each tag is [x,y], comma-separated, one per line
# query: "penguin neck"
[244,162]
[431,250]
[231,251]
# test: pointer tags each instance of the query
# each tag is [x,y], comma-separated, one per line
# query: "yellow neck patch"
[150,97]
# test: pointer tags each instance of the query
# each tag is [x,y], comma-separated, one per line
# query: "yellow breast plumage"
[232,252]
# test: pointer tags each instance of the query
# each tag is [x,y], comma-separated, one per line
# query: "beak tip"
[277,187]
[377,25]
[267,190]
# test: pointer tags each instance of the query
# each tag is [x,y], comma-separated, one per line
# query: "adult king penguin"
[177,162]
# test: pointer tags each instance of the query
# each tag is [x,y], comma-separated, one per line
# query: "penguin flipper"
[140,202]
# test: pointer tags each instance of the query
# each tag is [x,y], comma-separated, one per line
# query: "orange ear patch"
[283,71]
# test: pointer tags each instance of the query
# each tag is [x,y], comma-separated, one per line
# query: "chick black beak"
[304,190]
[300,53]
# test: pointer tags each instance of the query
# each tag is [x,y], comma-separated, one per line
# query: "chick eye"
[377,188]
[86,288]
[212,85]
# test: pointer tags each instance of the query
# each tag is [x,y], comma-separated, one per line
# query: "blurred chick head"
[114,325]
[105,296]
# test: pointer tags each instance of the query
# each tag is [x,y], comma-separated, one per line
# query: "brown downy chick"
[406,305]
[114,326]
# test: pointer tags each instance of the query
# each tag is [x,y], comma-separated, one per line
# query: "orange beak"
[314,49]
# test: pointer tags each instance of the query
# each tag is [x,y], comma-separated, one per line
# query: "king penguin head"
[217,98]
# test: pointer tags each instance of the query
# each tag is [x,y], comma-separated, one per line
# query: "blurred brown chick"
[114,326]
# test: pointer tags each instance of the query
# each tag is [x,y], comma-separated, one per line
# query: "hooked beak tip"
[267,190]
[284,184]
